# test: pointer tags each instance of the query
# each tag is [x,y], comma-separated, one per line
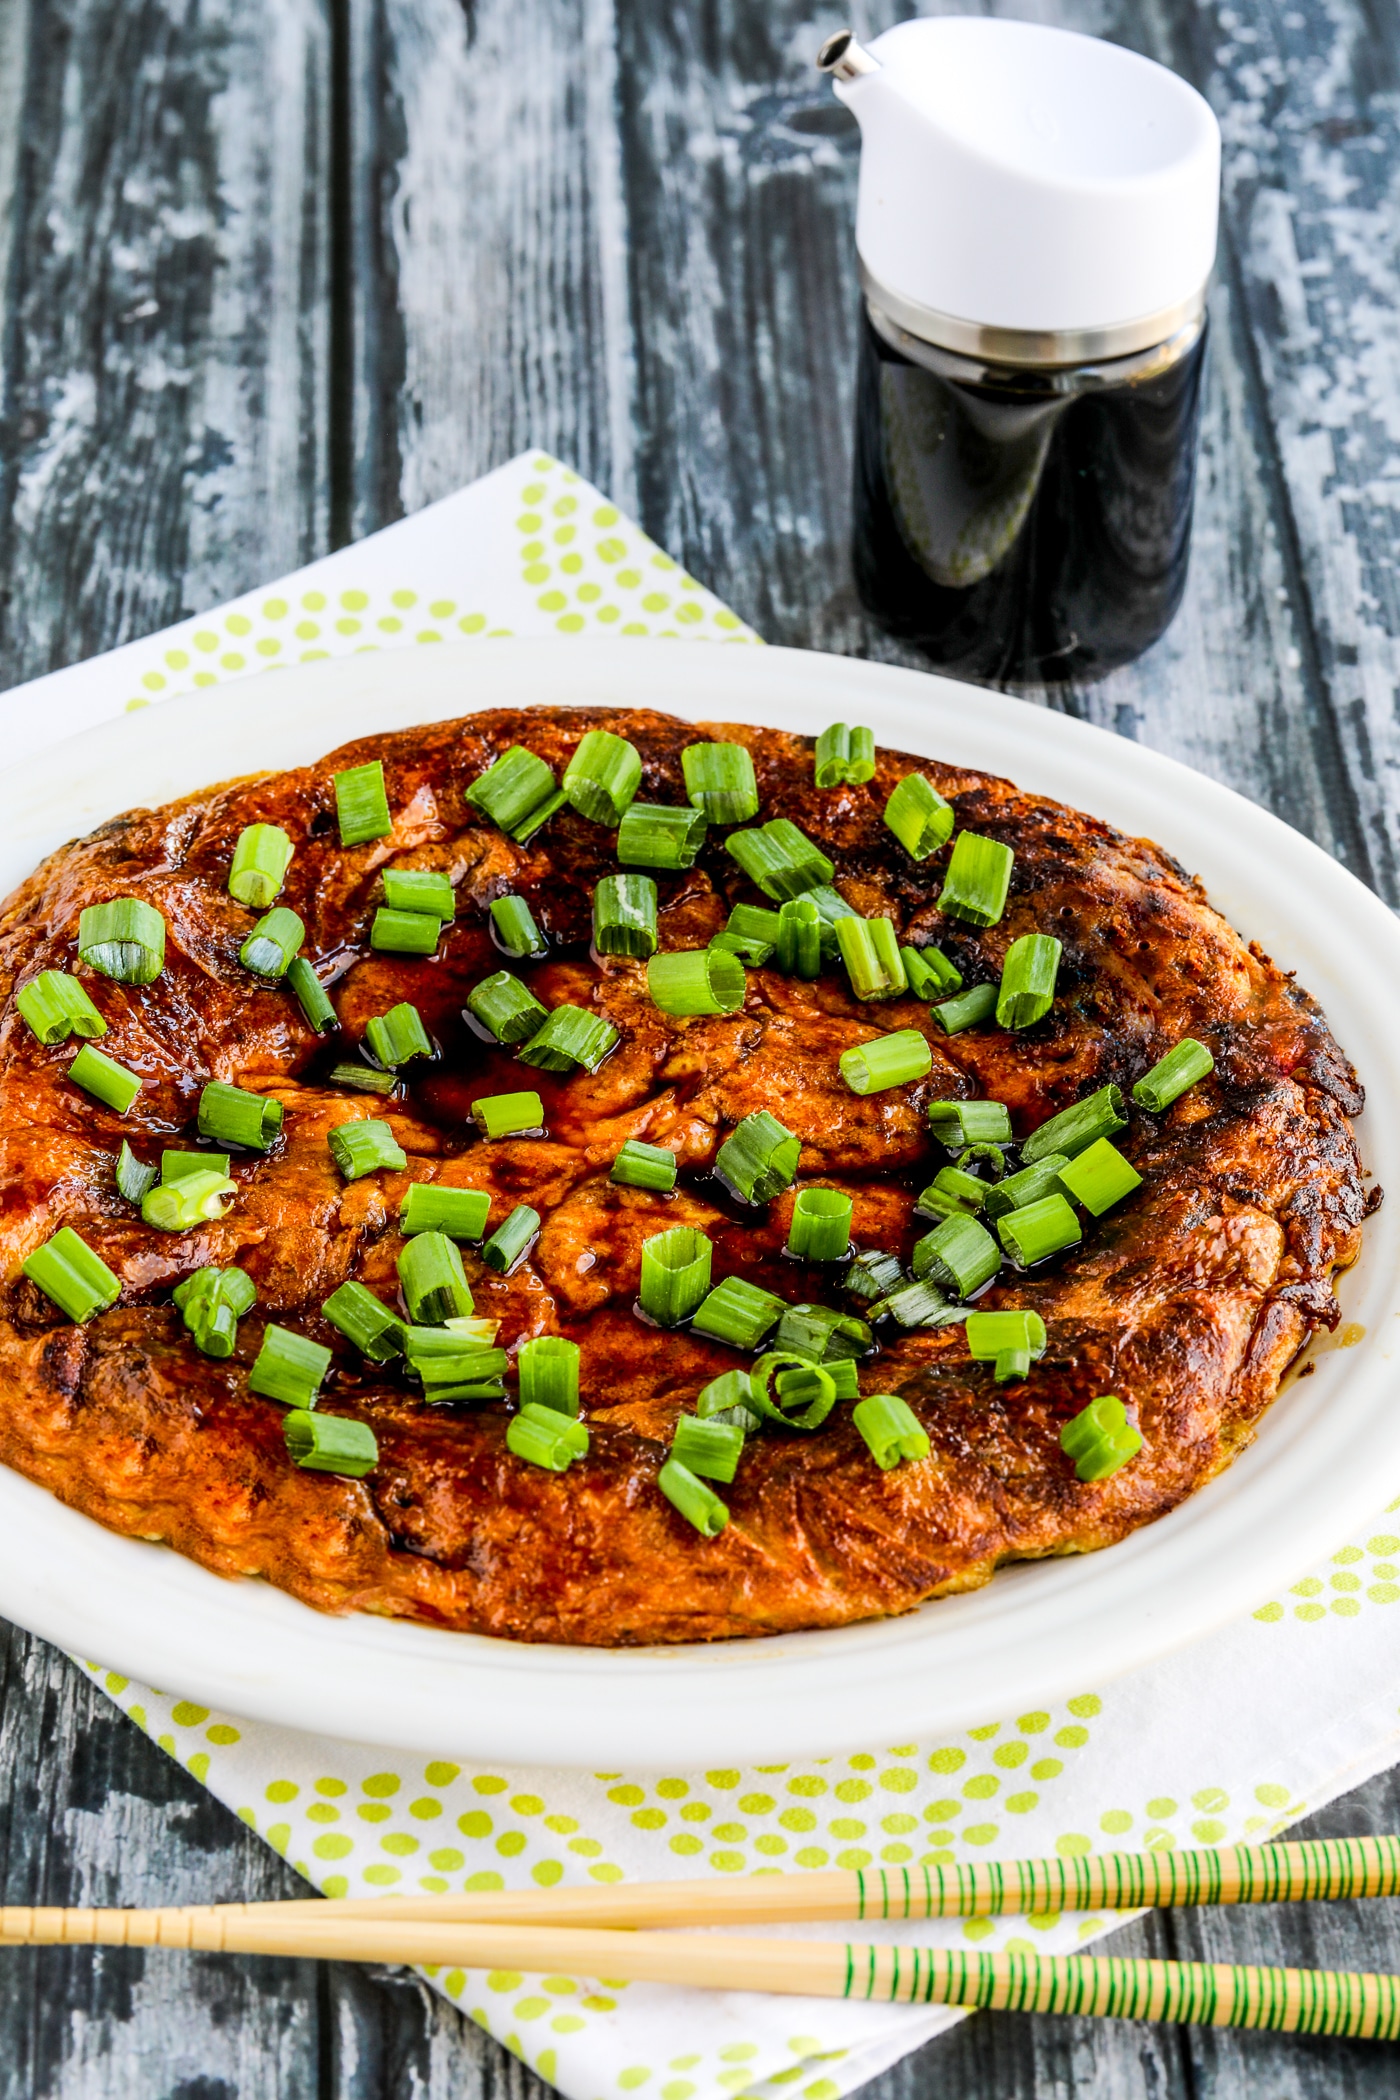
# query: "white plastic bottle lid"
[1028,192]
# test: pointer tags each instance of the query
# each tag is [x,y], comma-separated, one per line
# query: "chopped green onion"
[960,1255]
[958,1124]
[1100,1438]
[1029,1186]
[507,1115]
[194,1199]
[511,1241]
[505,1008]
[514,789]
[514,929]
[844,755]
[891,1429]
[719,780]
[758,1159]
[1169,1078]
[710,1449]
[429,1207]
[364,1147]
[816,1333]
[133,1178]
[920,818]
[178,1166]
[821,1225]
[624,915]
[273,942]
[1099,1177]
[801,938]
[259,866]
[211,1302]
[366,1321]
[361,805]
[726,1398]
[330,1443]
[889,1060]
[230,1115]
[289,1367]
[548,1366]
[56,1006]
[363,1078]
[952,1194]
[461,1373]
[991,1333]
[870,951]
[738,1312]
[990,1158]
[930,973]
[779,859]
[603,776]
[66,1270]
[975,886]
[432,1279]
[969,1010]
[696,981]
[544,1437]
[124,939]
[310,994]
[755,926]
[1011,1366]
[397,1037]
[1028,980]
[459,1340]
[640,1166]
[1038,1230]
[754,953]
[918,1304]
[699,1505]
[570,1037]
[873,1274]
[425,890]
[1075,1128]
[103,1078]
[769,1397]
[803,1382]
[675,1274]
[404,932]
[653,836]
[833,908]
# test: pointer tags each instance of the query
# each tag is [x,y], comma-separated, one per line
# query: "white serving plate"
[1329,1448]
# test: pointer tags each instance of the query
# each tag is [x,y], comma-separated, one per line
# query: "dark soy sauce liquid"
[1024,525]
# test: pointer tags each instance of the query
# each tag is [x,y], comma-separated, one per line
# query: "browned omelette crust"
[1189,1300]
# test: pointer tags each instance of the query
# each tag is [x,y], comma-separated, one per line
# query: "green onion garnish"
[801,938]
[330,1443]
[931,975]
[870,951]
[675,1274]
[133,1178]
[363,1078]
[821,1225]
[696,981]
[103,1078]
[361,805]
[738,1312]
[178,1166]
[397,1037]
[804,1382]
[975,886]
[639,1166]
[758,1159]
[66,1270]
[211,1303]
[404,932]
[365,1147]
[1100,1438]
[544,1437]
[624,915]
[958,1124]
[726,1398]
[833,908]
[514,928]
[991,1159]
[844,755]
[754,953]
[289,1367]
[273,943]
[432,1279]
[512,1241]
[891,1429]
[771,1396]
[1075,1128]
[366,1321]
[56,1006]
[969,1010]
[603,776]
[991,1334]
[548,1366]
[719,779]
[194,1199]
[420,890]
[311,996]
[1169,1078]
[890,1060]
[755,924]
[430,1207]
[917,1304]
[1012,1366]
[920,818]
[259,866]
[654,836]
[960,1255]
[779,859]
[125,940]
[571,1036]
[953,1194]
[1099,1177]
[1029,1186]
[508,1115]
[816,1333]
[711,1450]
[514,790]
[873,1274]
[1038,1230]
[698,1504]
[1028,980]
[506,1009]
[230,1115]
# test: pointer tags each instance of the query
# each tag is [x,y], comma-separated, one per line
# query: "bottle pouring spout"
[845,57]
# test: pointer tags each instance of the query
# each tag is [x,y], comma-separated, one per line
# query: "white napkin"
[1234,1738]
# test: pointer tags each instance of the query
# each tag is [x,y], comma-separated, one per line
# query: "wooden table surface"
[276,272]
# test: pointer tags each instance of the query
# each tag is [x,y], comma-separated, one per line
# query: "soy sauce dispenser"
[1035,230]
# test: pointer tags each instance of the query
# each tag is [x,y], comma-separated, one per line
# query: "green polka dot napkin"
[1232,1739]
